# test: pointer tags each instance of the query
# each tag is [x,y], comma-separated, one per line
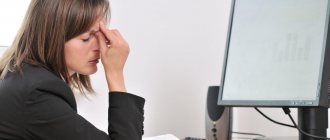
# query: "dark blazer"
[37,105]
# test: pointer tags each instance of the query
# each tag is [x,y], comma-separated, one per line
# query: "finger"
[107,33]
[110,36]
[102,42]
[117,37]
[117,33]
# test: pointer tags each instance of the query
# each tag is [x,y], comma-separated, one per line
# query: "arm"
[124,106]
[114,51]
[51,117]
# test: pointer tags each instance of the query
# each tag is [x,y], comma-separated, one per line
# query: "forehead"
[95,27]
[96,24]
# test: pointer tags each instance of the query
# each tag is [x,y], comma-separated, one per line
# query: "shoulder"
[34,82]
[37,74]
[46,83]
[37,77]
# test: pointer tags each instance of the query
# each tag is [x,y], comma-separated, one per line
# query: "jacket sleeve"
[52,116]
[130,107]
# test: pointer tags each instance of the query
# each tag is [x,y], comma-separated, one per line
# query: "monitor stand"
[312,120]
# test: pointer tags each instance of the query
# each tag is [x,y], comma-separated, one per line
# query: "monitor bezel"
[323,99]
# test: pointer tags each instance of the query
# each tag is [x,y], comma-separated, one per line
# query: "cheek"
[77,56]
[76,52]
[72,53]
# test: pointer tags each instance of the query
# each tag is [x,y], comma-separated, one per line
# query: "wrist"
[116,82]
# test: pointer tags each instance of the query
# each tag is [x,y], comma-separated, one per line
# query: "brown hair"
[47,25]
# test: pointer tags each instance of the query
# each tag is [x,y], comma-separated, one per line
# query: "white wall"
[177,49]
[175,54]
[11,15]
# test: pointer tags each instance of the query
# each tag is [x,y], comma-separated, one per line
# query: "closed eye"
[86,40]
[91,35]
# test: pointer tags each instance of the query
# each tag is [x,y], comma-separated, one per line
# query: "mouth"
[94,61]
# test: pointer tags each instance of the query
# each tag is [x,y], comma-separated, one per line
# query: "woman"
[58,46]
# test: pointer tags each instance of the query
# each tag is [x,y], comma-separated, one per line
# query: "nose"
[96,45]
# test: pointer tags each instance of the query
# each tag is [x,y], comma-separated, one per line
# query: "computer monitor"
[277,55]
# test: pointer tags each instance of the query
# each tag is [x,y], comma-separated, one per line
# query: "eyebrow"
[93,31]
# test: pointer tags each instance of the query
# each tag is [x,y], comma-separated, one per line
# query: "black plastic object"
[215,111]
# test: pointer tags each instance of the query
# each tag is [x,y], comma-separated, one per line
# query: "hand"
[114,52]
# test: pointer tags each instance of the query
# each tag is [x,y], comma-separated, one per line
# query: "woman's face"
[82,52]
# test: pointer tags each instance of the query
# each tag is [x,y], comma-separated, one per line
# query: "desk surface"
[278,138]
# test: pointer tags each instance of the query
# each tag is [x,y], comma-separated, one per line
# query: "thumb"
[102,42]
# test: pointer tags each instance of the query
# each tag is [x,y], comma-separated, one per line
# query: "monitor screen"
[276,54]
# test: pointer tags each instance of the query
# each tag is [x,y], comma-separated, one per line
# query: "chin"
[88,72]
